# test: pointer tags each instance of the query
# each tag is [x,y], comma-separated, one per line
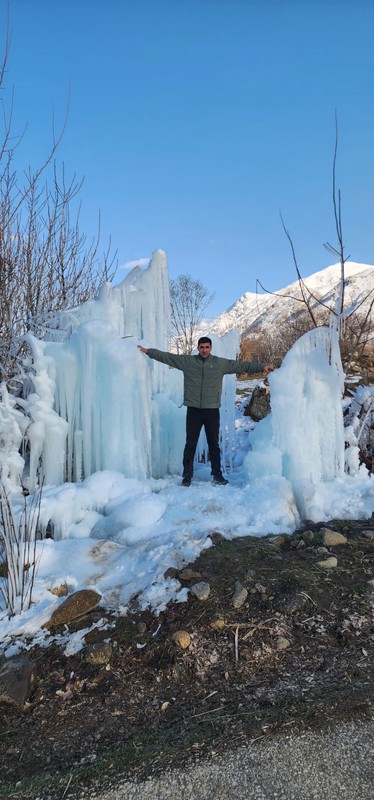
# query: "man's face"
[204,349]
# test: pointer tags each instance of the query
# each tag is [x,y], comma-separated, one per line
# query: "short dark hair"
[204,340]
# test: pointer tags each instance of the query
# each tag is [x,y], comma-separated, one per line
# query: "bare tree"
[189,299]
[354,334]
[45,261]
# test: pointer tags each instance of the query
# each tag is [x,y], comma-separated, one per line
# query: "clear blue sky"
[193,122]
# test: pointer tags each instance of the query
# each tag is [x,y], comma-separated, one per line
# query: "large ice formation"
[303,438]
[97,402]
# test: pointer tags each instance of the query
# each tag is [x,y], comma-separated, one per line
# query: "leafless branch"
[336,200]
[45,261]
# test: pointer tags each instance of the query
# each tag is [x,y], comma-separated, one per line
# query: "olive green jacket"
[203,376]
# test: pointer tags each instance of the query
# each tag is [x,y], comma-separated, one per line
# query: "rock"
[282,643]
[259,404]
[369,535]
[171,572]
[240,595]
[300,545]
[328,563]
[60,591]
[295,603]
[294,543]
[182,639]
[76,605]
[371,582]
[86,621]
[201,590]
[278,541]
[141,626]
[188,574]
[324,530]
[99,653]
[16,680]
[321,550]
[217,537]
[149,620]
[217,624]
[308,537]
[250,574]
[331,538]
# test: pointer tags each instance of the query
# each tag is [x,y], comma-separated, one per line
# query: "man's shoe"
[186,482]
[219,480]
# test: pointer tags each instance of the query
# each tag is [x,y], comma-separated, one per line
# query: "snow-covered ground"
[118,535]
[103,411]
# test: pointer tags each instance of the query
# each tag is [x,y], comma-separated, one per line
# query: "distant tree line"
[356,340]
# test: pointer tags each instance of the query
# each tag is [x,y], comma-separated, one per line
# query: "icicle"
[12,426]
[78,455]
[47,431]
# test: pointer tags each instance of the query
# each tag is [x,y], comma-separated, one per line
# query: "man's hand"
[143,349]
[269,368]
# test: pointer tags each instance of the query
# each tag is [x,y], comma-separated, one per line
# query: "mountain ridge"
[254,311]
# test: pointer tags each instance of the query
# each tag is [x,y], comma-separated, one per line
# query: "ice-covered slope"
[258,311]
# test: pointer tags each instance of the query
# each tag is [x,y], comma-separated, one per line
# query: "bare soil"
[299,652]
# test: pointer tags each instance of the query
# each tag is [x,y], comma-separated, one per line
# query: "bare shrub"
[46,263]
[357,344]
[356,341]
[18,552]
[270,347]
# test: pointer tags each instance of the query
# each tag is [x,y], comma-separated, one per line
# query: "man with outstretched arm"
[203,375]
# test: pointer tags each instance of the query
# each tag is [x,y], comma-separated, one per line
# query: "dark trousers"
[196,419]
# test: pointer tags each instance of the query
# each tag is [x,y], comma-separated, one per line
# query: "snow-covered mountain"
[254,312]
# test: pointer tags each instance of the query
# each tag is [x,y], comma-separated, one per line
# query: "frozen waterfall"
[97,403]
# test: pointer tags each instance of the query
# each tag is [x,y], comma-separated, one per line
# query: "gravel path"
[336,764]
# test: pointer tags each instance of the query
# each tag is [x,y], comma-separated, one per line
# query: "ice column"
[307,419]
[98,402]
[12,427]
[48,430]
